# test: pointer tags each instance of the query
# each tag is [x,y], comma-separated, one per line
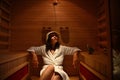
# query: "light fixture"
[55,2]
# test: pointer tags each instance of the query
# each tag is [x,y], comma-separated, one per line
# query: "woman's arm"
[34,60]
[76,59]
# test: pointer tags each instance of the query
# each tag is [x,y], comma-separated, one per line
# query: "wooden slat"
[4,34]
[3,43]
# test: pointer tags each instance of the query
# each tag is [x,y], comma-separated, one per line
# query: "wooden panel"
[13,65]
[4,25]
[20,74]
[27,28]
[103,26]
[88,75]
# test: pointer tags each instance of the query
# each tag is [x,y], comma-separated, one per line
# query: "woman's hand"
[35,63]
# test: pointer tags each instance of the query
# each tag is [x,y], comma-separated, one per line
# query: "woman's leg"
[48,73]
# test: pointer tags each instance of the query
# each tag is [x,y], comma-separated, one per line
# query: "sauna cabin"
[85,24]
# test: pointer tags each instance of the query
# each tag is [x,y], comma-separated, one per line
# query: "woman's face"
[54,38]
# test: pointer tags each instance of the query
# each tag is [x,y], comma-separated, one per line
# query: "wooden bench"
[14,66]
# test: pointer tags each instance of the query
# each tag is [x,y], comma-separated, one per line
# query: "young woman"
[53,54]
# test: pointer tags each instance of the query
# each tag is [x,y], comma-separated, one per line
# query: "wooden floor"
[71,78]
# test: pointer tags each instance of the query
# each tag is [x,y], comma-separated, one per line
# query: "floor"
[71,78]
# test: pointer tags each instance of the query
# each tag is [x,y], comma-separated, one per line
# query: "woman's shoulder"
[62,46]
[42,46]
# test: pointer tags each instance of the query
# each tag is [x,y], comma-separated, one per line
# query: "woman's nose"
[54,37]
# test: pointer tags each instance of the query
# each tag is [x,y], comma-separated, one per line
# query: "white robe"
[55,59]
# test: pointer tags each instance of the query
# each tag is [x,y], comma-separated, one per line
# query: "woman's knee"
[50,67]
[47,74]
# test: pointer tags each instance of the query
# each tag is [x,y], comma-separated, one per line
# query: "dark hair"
[48,42]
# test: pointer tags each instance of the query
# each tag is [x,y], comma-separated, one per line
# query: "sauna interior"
[85,24]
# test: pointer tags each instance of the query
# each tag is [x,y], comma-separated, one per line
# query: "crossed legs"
[49,74]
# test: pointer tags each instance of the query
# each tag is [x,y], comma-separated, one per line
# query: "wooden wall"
[30,16]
